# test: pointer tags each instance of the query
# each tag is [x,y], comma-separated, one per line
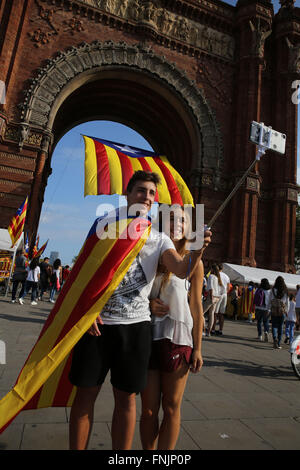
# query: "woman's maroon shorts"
[167,356]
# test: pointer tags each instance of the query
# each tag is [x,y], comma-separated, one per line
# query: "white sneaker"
[21,301]
[266,337]
[33,303]
[260,338]
[52,301]
[13,301]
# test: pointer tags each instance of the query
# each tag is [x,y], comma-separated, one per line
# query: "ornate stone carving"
[294,57]
[50,80]
[259,36]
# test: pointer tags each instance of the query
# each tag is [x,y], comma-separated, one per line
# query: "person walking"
[214,289]
[279,306]
[298,307]
[290,321]
[55,279]
[234,296]
[177,326]
[262,314]
[33,276]
[222,303]
[46,271]
[19,276]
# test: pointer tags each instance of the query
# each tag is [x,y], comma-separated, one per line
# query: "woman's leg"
[173,386]
[149,424]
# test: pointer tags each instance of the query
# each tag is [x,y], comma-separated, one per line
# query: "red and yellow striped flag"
[100,267]
[16,225]
[36,253]
[109,166]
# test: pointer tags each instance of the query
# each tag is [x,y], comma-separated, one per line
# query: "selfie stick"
[261,151]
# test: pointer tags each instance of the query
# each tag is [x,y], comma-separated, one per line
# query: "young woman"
[262,314]
[214,288]
[176,347]
[33,276]
[279,306]
[55,279]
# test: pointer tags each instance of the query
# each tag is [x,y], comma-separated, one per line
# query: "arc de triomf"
[188,75]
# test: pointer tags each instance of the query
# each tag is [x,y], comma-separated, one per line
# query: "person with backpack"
[279,306]
[262,314]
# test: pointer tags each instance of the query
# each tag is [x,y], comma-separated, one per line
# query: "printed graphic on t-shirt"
[127,302]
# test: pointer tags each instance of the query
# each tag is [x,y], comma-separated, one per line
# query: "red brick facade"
[189,75]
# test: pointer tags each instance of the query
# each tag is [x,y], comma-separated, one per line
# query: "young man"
[222,303]
[121,339]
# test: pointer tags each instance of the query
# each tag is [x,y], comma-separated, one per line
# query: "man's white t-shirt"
[225,281]
[130,301]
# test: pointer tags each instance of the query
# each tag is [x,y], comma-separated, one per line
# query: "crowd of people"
[149,332]
[267,305]
[39,277]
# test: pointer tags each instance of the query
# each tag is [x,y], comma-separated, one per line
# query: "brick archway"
[202,70]
[113,73]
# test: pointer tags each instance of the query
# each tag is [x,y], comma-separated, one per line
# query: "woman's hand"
[94,330]
[158,307]
[196,361]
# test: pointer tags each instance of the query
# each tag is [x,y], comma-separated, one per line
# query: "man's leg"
[124,419]
[81,418]
[149,424]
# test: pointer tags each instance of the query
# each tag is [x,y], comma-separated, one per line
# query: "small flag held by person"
[109,166]
[16,225]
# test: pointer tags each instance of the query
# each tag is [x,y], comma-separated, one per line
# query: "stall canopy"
[5,241]
[244,274]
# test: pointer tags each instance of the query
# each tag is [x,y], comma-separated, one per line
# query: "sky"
[67,215]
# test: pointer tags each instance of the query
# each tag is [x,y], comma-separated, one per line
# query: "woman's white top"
[57,273]
[291,316]
[178,323]
[214,286]
[33,274]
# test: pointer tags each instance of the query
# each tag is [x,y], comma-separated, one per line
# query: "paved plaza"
[245,398]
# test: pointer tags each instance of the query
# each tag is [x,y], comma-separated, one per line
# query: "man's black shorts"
[124,349]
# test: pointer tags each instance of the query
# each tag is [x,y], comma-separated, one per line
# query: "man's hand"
[158,308]
[94,330]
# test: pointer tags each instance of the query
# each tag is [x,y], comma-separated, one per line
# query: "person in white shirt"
[215,289]
[33,276]
[298,307]
[290,321]
[222,303]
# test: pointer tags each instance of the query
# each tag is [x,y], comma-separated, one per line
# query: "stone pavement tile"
[266,404]
[11,438]
[224,434]
[100,437]
[222,406]
[230,382]
[201,383]
[45,436]
[280,433]
[42,415]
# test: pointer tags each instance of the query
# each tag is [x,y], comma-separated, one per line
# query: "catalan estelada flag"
[38,252]
[109,166]
[16,225]
[100,267]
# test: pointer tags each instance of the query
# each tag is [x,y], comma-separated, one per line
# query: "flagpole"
[10,272]
[261,151]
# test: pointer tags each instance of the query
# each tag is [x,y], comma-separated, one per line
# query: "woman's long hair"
[215,270]
[181,250]
[34,263]
[281,288]
[56,264]
[264,284]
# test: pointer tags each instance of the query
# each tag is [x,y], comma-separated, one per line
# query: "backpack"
[259,298]
[278,307]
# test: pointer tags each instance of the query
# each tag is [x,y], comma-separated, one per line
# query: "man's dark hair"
[142,175]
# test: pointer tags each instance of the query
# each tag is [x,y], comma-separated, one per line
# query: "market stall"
[7,257]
